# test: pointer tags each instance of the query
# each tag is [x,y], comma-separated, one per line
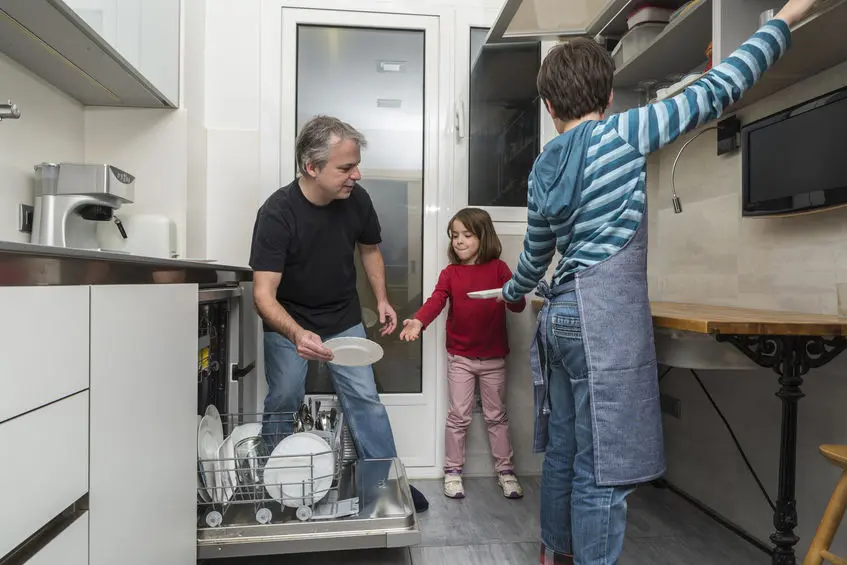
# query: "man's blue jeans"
[365,415]
[577,516]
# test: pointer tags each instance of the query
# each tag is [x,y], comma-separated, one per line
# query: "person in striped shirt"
[597,412]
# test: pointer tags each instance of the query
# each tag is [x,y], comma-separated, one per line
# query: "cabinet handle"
[460,120]
[237,373]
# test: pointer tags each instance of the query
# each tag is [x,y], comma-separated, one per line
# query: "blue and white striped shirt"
[589,225]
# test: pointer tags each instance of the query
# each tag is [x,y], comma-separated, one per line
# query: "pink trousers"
[462,374]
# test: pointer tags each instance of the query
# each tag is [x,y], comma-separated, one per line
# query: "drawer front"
[44,467]
[43,346]
[70,547]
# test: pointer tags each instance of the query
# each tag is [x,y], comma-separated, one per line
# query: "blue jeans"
[365,415]
[577,516]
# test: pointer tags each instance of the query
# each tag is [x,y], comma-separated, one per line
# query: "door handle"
[237,373]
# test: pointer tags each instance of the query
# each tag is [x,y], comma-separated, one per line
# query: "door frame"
[278,115]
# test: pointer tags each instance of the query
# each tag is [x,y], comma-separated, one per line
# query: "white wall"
[150,144]
[710,254]
[50,129]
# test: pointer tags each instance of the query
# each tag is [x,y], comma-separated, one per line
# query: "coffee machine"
[71,199]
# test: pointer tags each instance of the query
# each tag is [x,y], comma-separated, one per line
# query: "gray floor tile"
[490,554]
[483,516]
[486,528]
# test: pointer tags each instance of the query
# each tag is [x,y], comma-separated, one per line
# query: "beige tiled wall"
[709,253]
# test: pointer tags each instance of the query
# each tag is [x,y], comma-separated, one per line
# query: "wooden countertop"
[706,319]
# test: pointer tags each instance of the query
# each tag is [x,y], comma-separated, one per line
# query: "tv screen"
[796,160]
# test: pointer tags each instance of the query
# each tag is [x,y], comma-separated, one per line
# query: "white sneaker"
[510,485]
[453,487]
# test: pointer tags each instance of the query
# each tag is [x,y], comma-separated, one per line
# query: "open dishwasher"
[301,490]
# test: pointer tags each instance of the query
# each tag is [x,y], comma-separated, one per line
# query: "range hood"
[524,20]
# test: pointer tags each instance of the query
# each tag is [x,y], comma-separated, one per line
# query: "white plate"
[300,470]
[354,351]
[484,294]
[216,424]
[207,453]
[201,490]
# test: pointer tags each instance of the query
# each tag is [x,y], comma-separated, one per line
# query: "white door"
[380,73]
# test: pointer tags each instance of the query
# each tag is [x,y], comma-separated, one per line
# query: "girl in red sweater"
[477,344]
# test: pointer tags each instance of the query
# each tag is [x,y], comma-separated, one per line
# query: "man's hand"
[411,330]
[387,317]
[310,346]
[500,297]
[794,11]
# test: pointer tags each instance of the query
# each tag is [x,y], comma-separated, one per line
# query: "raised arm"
[651,127]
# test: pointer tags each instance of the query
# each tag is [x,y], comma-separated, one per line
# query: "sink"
[689,350]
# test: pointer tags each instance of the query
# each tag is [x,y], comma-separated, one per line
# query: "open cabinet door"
[522,20]
[143,485]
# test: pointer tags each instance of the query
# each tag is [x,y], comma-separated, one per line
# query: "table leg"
[791,357]
[785,515]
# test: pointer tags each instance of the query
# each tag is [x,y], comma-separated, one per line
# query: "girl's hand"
[411,330]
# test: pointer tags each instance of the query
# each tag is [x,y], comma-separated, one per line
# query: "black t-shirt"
[313,247]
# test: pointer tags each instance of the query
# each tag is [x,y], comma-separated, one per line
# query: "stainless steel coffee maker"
[71,198]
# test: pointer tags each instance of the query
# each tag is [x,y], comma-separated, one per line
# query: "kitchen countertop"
[708,319]
[25,264]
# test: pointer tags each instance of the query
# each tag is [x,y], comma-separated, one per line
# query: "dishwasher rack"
[239,482]
[358,503]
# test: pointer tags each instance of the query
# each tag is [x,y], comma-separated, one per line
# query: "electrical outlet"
[671,406]
[25,212]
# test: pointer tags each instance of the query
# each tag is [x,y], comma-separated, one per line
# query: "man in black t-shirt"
[302,255]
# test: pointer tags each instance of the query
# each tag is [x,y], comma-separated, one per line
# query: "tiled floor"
[487,529]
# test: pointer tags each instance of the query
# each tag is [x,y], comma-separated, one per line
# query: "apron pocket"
[627,419]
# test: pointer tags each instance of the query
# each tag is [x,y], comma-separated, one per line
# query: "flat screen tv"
[796,160]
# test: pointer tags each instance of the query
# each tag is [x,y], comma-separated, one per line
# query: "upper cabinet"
[539,19]
[100,52]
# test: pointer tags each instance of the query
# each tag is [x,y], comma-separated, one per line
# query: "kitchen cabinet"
[69,547]
[537,19]
[45,467]
[680,48]
[143,424]
[100,52]
[43,346]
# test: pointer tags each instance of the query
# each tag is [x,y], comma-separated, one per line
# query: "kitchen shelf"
[816,45]
[677,50]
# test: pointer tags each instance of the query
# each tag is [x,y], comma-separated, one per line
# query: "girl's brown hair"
[479,223]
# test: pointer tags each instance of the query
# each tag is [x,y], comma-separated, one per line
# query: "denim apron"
[617,333]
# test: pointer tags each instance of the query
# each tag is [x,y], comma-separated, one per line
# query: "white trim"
[280,19]
[510,228]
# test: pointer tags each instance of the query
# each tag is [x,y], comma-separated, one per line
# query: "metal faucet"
[9,111]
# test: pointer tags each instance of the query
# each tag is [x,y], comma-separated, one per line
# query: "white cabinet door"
[70,547]
[143,424]
[43,467]
[43,346]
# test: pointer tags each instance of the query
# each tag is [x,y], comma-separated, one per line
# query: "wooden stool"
[834,513]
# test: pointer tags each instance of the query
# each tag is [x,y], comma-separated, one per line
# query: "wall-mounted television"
[796,160]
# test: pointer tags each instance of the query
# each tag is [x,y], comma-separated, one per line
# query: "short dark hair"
[576,78]
[317,137]
[479,223]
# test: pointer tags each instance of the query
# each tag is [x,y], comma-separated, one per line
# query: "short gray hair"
[316,138]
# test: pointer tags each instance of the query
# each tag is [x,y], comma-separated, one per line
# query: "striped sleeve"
[651,127]
[539,247]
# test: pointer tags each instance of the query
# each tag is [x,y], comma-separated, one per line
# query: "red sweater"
[475,328]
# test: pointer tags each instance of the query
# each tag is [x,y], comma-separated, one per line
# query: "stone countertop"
[25,264]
